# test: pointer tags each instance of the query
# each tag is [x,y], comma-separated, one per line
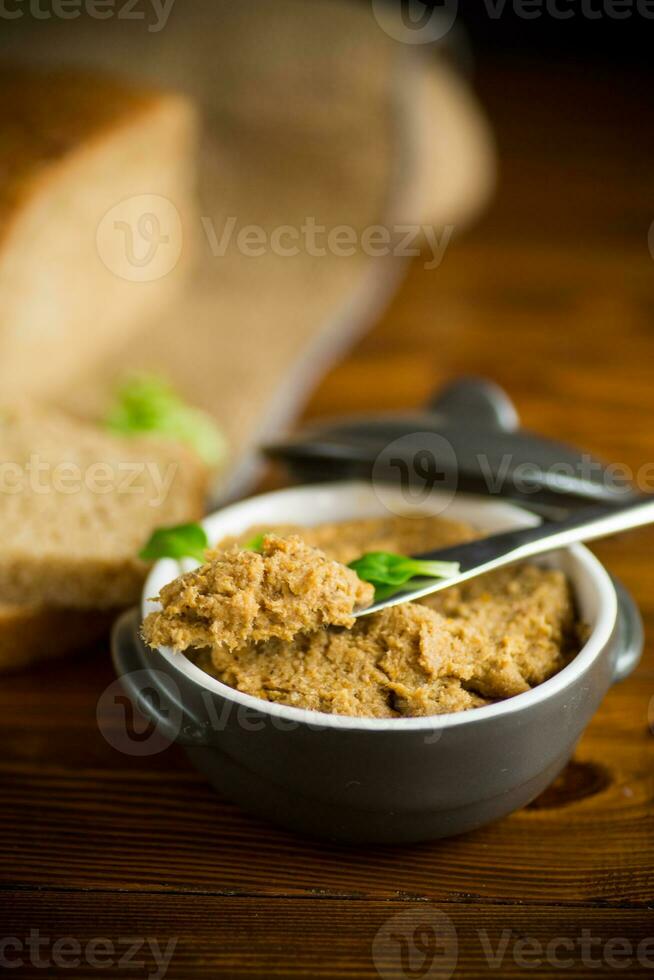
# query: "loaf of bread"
[96,212]
[77,505]
[33,634]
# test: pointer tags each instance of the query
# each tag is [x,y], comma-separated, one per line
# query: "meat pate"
[469,645]
[242,596]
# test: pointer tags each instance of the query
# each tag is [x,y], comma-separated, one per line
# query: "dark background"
[605,39]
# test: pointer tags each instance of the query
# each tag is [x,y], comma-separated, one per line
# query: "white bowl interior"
[311,505]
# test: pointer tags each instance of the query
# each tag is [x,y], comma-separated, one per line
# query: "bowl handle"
[631,635]
[153,692]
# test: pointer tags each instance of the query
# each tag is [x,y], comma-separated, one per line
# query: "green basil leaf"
[147,404]
[184,541]
[256,544]
[389,572]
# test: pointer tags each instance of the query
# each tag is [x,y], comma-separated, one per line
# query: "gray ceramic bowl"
[374,780]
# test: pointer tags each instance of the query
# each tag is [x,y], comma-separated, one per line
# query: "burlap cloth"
[311,112]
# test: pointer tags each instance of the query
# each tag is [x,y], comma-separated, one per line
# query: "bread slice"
[77,504]
[32,634]
[96,202]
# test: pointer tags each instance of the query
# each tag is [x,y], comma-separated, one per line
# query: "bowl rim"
[597,641]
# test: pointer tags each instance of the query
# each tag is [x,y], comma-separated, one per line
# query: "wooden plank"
[199,936]
[133,824]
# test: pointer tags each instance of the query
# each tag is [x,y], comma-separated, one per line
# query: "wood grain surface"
[553,297]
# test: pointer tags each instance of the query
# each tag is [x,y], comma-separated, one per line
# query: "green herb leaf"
[147,404]
[389,572]
[184,541]
[256,544]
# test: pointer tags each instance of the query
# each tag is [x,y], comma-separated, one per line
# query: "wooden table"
[553,296]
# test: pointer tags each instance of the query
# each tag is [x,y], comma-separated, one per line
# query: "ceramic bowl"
[381,780]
